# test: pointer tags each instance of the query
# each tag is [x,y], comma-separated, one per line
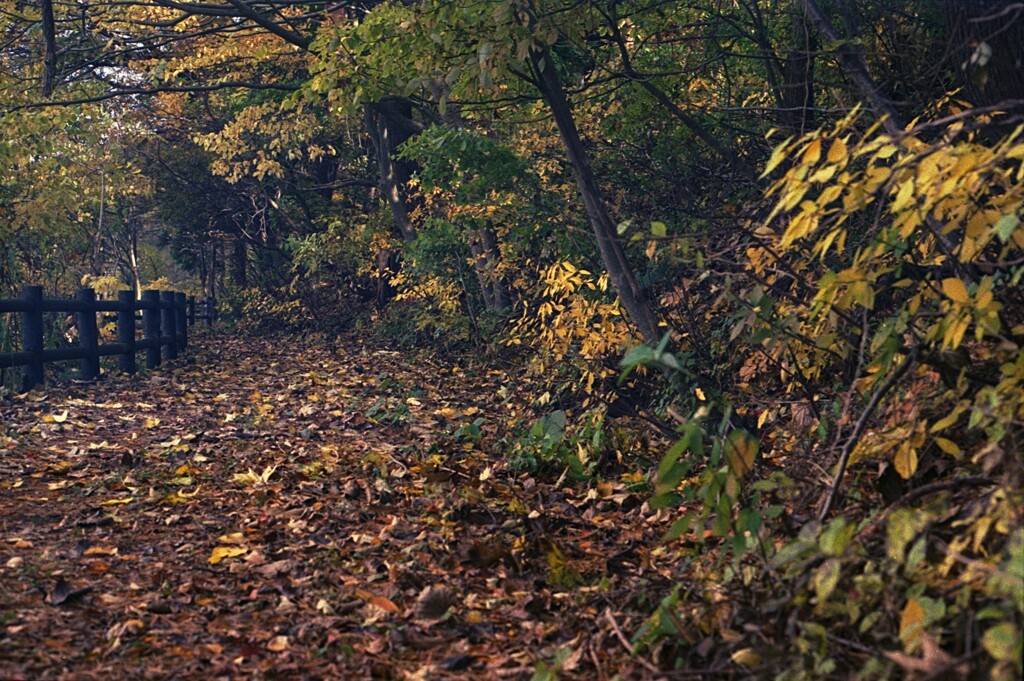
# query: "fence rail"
[166,316]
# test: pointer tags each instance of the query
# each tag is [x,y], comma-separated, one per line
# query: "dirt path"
[259,512]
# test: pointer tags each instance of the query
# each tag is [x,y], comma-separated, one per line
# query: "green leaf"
[640,355]
[1003,642]
[670,470]
[1005,225]
[825,579]
[836,537]
[679,527]
[904,524]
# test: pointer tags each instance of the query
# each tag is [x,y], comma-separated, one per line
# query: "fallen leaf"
[278,644]
[233,538]
[222,552]
[63,592]
[100,551]
[378,601]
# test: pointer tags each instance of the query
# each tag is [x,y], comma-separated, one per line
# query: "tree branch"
[281,32]
[156,91]
[852,62]
[858,429]
[50,47]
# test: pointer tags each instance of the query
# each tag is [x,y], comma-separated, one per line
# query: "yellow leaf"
[812,153]
[954,289]
[778,155]
[58,418]
[948,446]
[802,224]
[836,152]
[886,151]
[912,624]
[762,418]
[955,333]
[904,196]
[222,552]
[740,452]
[748,657]
[948,420]
[233,538]
[823,175]
[905,461]
[830,194]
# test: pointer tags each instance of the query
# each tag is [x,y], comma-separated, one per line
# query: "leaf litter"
[275,511]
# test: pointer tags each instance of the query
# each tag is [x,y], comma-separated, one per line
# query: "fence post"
[88,335]
[151,327]
[210,308]
[182,319]
[191,310]
[168,324]
[126,331]
[32,334]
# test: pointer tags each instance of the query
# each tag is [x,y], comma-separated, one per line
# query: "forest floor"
[261,510]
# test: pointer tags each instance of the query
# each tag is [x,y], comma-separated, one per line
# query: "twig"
[937,486]
[957,664]
[858,429]
[595,660]
[1015,7]
[626,644]
[852,645]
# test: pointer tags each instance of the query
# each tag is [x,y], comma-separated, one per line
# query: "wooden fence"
[166,316]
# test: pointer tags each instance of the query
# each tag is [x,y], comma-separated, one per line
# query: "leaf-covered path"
[256,511]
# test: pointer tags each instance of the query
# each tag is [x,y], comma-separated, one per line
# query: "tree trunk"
[798,77]
[393,175]
[388,263]
[851,59]
[633,299]
[214,269]
[483,246]
[49,48]
[133,254]
[239,264]
[98,258]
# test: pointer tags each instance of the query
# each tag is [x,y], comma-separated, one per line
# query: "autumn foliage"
[697,325]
